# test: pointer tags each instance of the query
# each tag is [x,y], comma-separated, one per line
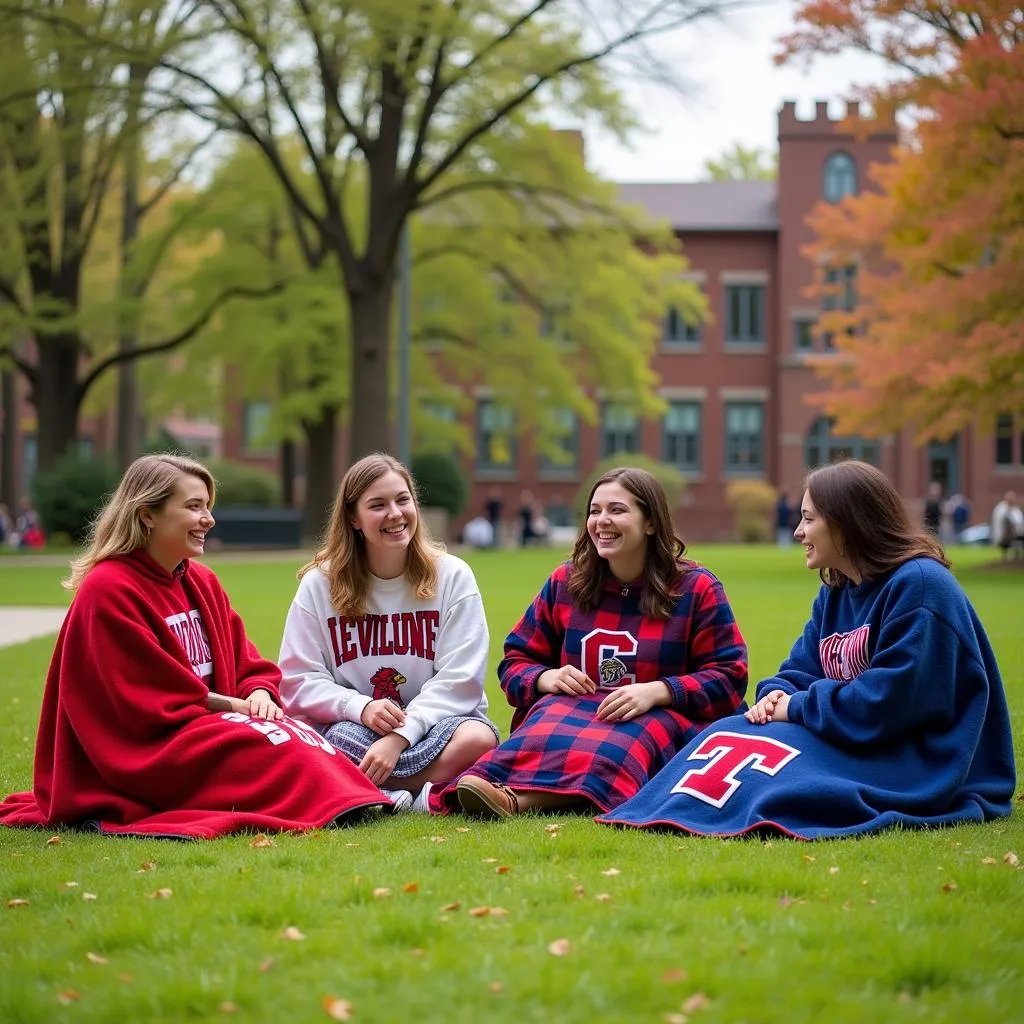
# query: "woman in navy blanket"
[888,711]
[627,652]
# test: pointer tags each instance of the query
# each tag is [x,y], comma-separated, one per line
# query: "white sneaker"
[420,804]
[401,798]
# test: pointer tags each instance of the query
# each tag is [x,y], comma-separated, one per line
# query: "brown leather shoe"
[482,799]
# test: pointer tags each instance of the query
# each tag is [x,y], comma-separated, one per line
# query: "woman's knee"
[471,741]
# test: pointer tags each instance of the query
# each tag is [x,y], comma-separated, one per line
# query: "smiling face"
[386,514]
[178,529]
[819,542]
[619,530]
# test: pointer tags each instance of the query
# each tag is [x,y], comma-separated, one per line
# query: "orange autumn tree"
[937,336]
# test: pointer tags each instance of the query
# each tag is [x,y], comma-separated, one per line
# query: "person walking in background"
[629,650]
[385,644]
[783,521]
[526,513]
[933,508]
[159,716]
[492,511]
[1008,526]
[889,710]
[958,512]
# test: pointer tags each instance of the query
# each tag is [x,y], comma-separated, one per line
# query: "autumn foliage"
[937,336]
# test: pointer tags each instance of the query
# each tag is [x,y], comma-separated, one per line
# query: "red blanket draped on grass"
[125,740]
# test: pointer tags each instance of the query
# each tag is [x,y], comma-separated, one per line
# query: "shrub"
[69,495]
[671,479]
[240,484]
[439,481]
[753,506]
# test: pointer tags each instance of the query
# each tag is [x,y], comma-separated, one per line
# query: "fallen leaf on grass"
[451,906]
[261,841]
[411,887]
[848,905]
[497,986]
[767,844]
[948,886]
[552,828]
[602,897]
[417,951]
[560,947]
[499,912]
[17,903]
[437,839]
[69,885]
[53,841]
[292,934]
[68,996]
[265,965]
[834,870]
[126,978]
[462,828]
[381,892]
[989,860]
[611,872]
[227,1007]
[89,896]
[479,911]
[160,894]
[337,1009]
[501,869]
[698,1001]
[95,958]
[146,865]
[808,859]
[351,845]
[1011,858]
[490,860]
[674,974]
[675,1018]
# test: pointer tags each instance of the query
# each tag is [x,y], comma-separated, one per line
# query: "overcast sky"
[735,96]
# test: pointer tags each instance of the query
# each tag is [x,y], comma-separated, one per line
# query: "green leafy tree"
[740,163]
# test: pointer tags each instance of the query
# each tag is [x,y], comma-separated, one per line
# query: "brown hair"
[342,555]
[664,549]
[147,483]
[869,520]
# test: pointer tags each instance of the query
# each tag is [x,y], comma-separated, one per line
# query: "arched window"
[822,446]
[840,177]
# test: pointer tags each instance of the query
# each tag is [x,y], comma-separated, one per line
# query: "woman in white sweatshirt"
[385,644]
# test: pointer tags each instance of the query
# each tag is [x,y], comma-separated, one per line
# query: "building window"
[803,334]
[841,296]
[1004,439]
[553,322]
[840,177]
[495,436]
[620,429]
[567,438]
[677,331]
[744,314]
[680,436]
[744,437]
[256,436]
[821,446]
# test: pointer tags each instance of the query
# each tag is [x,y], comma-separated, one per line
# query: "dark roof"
[707,205]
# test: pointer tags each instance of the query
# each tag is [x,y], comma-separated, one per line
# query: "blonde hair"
[118,530]
[342,555]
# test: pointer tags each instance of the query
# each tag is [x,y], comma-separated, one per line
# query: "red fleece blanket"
[125,742]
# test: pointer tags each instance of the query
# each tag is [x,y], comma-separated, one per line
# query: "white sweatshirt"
[428,655]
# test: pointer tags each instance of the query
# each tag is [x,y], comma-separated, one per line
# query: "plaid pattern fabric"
[353,739]
[557,742]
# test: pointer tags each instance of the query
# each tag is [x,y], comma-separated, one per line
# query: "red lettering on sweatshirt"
[376,636]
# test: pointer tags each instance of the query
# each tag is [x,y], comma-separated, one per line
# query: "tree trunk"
[370,429]
[56,397]
[288,459]
[9,444]
[320,482]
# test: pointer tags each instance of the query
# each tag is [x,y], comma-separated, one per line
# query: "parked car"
[979,534]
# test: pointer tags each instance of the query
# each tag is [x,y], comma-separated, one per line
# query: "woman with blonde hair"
[385,644]
[159,716]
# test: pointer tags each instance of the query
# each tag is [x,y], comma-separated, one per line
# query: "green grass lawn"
[922,926]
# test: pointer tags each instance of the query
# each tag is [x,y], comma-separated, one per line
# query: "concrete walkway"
[20,624]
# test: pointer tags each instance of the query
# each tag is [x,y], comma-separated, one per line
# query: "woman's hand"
[624,703]
[259,704]
[382,716]
[770,708]
[566,679]
[379,761]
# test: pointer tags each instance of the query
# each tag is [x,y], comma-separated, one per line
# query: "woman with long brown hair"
[889,710]
[385,644]
[628,650]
